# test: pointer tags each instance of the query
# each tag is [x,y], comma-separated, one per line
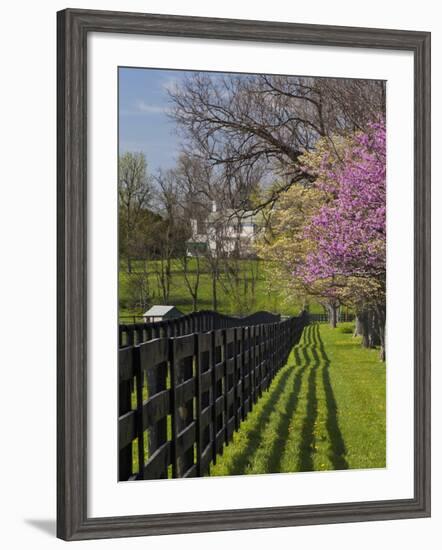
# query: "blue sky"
[144,124]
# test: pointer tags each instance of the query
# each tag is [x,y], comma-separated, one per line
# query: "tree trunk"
[358,326]
[168,278]
[380,318]
[214,295]
[364,328]
[129,265]
[382,348]
[163,276]
[333,314]
[373,329]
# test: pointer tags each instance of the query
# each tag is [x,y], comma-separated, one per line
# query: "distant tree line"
[158,216]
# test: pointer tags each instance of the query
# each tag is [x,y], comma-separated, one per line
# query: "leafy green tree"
[134,197]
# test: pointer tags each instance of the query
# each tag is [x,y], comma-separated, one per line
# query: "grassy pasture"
[325,410]
[265,296]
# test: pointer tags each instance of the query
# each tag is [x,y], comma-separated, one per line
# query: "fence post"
[198,403]
[230,381]
[204,403]
[182,414]
[139,399]
[265,331]
[124,407]
[130,335]
[173,450]
[219,397]
[238,379]
[214,396]
[247,365]
[256,357]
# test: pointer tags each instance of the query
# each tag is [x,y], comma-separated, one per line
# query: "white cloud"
[148,108]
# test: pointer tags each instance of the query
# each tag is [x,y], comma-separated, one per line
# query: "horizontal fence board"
[230,366]
[186,438]
[184,346]
[206,380]
[184,392]
[191,472]
[205,417]
[230,428]
[158,462]
[125,364]
[219,404]
[230,395]
[219,371]
[219,440]
[153,353]
[206,458]
[127,427]
[156,407]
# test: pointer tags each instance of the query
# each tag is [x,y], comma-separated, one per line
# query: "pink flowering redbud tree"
[348,233]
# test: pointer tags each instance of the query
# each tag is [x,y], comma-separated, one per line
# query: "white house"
[224,231]
[161,313]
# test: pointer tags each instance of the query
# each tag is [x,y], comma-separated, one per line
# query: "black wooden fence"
[201,321]
[181,397]
[130,320]
[343,317]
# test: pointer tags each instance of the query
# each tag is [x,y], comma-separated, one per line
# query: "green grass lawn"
[266,296]
[325,410]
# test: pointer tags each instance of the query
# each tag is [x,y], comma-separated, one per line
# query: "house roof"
[247,216]
[158,311]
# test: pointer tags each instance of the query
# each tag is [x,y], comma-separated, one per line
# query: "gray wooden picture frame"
[74,25]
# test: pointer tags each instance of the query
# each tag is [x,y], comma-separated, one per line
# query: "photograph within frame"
[263,219]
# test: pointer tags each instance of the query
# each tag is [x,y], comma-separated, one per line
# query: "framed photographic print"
[243,274]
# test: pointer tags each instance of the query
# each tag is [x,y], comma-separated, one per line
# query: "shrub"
[346,328]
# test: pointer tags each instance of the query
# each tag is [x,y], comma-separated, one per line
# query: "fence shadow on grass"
[276,452]
[240,461]
[310,358]
[305,460]
[337,444]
